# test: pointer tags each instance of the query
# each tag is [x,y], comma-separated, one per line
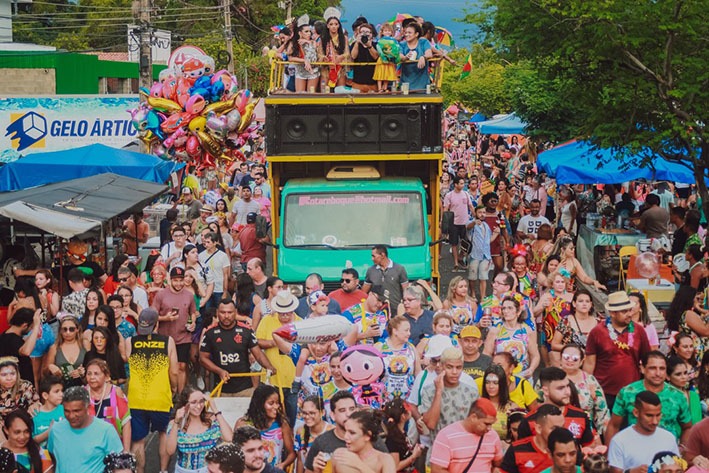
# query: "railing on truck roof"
[278,67]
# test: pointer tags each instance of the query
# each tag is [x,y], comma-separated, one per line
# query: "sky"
[440,12]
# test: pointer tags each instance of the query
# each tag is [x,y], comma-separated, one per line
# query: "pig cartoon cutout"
[363,367]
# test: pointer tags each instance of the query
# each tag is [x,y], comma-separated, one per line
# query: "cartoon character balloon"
[363,367]
[193,112]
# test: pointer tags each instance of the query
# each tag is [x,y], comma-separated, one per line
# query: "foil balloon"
[218,126]
[163,104]
[193,147]
[175,121]
[246,117]
[197,124]
[209,144]
[220,107]
[647,265]
[195,104]
[233,120]
[156,90]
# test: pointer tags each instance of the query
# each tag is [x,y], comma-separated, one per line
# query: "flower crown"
[667,460]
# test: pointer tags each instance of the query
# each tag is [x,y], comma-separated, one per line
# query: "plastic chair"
[624,252]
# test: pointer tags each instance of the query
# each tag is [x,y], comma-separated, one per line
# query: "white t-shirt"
[168,250]
[140,297]
[215,264]
[529,225]
[630,449]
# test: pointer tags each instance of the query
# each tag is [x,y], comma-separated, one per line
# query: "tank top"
[149,387]
[66,367]
[514,342]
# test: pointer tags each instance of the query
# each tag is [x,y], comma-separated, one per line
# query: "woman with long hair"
[273,286]
[302,50]
[567,210]
[104,348]
[195,431]
[334,50]
[497,391]
[108,402]
[266,413]
[590,393]
[18,430]
[459,303]
[66,357]
[514,336]
[26,295]
[504,204]
[414,53]
[314,424]
[401,360]
[396,415]
[682,317]
[224,233]
[131,310]
[94,299]
[362,430]
[566,249]
[575,327]
[553,307]
[15,393]
[678,377]
[540,248]
[641,316]
[106,317]
[682,345]
[551,264]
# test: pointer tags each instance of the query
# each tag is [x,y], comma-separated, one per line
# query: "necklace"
[99,403]
[613,334]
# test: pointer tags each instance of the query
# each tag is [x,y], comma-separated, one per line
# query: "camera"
[365,39]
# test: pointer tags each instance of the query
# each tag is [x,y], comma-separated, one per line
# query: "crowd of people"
[322,55]
[523,375]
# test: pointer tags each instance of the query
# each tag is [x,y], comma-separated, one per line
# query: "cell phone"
[175,309]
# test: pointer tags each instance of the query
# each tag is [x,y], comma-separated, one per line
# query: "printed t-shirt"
[675,409]
[229,350]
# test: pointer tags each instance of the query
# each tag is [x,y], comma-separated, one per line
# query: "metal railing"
[278,68]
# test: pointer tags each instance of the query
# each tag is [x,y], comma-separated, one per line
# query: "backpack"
[261,227]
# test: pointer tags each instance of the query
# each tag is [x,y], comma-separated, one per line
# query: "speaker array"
[357,129]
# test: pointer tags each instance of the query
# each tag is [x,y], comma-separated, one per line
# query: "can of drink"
[428,89]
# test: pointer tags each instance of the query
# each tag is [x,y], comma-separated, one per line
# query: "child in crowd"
[385,70]
[51,390]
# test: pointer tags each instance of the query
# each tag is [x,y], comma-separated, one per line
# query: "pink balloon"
[193,147]
[647,265]
[195,104]
[183,91]
[156,90]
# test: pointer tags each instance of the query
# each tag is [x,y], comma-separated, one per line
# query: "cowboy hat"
[619,301]
[284,302]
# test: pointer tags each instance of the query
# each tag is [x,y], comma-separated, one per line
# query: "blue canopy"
[579,162]
[477,118]
[47,168]
[505,125]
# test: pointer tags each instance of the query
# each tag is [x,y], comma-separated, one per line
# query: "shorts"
[457,233]
[183,352]
[479,270]
[683,192]
[143,422]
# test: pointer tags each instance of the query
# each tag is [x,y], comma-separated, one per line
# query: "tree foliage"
[627,75]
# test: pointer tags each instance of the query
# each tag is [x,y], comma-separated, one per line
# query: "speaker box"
[353,129]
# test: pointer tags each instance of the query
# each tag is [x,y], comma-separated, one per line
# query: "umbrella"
[444,37]
[399,18]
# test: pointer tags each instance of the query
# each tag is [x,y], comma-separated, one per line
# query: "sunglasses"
[568,357]
[345,280]
[68,329]
[122,279]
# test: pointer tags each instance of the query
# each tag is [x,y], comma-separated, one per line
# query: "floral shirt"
[593,401]
[23,399]
[192,448]
[675,408]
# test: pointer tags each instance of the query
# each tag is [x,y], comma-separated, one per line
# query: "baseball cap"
[251,217]
[379,292]
[177,272]
[147,320]
[470,331]
[317,296]
[437,344]
[186,190]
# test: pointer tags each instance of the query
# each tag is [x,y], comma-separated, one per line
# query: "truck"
[350,171]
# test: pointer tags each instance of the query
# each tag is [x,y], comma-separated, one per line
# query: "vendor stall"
[595,246]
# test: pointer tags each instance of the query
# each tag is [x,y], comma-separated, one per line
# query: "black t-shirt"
[10,344]
[229,349]
[364,74]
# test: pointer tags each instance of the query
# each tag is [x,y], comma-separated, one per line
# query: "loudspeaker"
[312,129]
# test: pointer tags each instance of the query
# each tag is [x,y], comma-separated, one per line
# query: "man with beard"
[248,438]
[225,349]
[530,455]
[564,452]
[529,224]
[614,348]
[556,390]
[349,293]
[676,418]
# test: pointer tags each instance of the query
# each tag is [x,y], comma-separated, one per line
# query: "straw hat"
[618,301]
[284,302]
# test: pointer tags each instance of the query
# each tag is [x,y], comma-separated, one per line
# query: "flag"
[467,68]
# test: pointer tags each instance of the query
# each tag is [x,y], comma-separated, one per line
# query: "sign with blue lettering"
[58,122]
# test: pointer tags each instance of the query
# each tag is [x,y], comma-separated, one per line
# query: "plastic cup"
[405,88]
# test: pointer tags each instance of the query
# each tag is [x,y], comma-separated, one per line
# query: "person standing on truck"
[349,293]
[458,202]
[388,274]
[314,282]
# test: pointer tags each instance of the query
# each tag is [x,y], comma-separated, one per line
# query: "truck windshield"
[345,220]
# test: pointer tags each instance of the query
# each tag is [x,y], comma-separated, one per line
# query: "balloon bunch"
[194,114]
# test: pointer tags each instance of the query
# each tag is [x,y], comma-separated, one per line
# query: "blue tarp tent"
[505,125]
[477,118]
[47,168]
[577,162]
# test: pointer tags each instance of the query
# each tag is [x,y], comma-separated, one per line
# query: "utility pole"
[146,59]
[226,4]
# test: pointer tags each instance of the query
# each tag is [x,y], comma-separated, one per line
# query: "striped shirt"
[454,447]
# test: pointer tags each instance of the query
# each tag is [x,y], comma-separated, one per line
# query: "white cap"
[437,345]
